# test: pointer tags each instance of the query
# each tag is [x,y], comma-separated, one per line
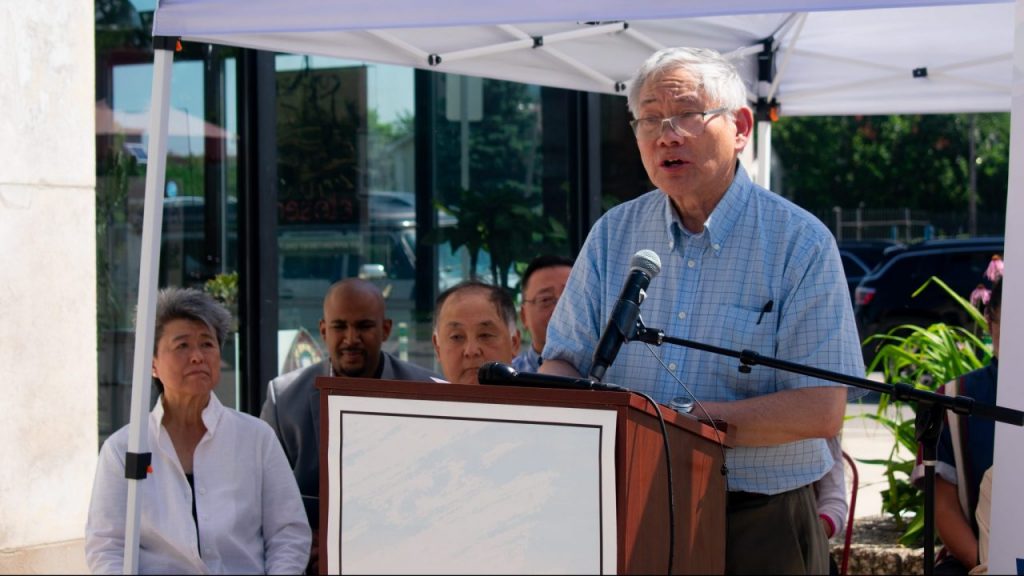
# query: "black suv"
[861,256]
[883,299]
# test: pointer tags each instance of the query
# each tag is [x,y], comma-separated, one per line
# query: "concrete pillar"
[48,391]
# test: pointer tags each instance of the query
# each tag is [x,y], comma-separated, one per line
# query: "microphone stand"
[927,425]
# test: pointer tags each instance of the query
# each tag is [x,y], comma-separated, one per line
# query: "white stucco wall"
[48,387]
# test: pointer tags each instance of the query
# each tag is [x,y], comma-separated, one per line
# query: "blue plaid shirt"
[756,247]
[527,361]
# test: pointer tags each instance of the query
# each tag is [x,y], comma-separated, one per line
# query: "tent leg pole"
[149,268]
[764,154]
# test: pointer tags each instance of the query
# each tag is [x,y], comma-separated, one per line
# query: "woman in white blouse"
[220,497]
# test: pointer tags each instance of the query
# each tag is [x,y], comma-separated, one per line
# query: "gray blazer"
[292,409]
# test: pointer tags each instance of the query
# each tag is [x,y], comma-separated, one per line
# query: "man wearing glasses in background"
[543,283]
[742,269]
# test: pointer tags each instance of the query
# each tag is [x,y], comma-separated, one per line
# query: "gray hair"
[718,77]
[497,295]
[190,304]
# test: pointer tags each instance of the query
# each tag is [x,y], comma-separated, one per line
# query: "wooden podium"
[641,489]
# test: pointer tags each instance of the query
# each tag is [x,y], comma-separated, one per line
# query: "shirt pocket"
[748,328]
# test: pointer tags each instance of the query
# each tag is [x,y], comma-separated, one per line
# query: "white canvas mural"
[422,487]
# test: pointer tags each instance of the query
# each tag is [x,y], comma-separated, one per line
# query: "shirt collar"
[532,355]
[211,414]
[722,219]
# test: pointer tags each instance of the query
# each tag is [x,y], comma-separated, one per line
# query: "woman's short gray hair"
[718,77]
[190,304]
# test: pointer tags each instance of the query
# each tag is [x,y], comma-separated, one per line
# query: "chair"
[853,485]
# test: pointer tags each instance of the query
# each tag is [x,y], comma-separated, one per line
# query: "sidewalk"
[866,439]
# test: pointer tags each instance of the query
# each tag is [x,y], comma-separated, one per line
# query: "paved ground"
[866,439]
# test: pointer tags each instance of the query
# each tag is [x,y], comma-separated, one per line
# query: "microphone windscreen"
[646,261]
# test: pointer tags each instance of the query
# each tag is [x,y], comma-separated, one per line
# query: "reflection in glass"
[346,201]
[198,243]
[504,208]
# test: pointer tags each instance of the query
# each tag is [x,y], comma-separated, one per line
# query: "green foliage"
[501,211]
[921,159]
[115,171]
[505,223]
[925,358]
[223,287]
[188,173]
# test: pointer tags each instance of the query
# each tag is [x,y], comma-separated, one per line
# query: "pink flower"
[995,269]
[980,296]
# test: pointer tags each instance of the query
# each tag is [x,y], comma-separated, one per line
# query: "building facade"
[48,285]
[284,173]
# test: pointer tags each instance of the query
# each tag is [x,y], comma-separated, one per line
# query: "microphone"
[622,325]
[505,375]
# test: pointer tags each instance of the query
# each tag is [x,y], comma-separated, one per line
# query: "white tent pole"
[486,50]
[1006,550]
[741,53]
[643,39]
[399,43]
[524,40]
[585,70]
[149,267]
[587,32]
[764,153]
[785,57]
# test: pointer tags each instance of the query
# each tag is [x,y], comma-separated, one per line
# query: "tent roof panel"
[228,17]
[841,61]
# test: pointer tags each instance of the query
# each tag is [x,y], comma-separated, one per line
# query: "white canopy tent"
[841,57]
[827,63]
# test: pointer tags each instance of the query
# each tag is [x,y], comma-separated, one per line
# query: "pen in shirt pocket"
[765,309]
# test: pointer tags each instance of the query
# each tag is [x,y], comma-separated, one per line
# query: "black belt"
[741,497]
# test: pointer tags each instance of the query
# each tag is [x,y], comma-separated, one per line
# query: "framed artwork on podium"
[443,487]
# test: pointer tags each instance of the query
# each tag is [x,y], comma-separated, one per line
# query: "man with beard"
[353,328]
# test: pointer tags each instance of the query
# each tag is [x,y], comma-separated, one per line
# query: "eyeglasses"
[686,124]
[543,302]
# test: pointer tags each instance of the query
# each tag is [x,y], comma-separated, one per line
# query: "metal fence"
[905,224]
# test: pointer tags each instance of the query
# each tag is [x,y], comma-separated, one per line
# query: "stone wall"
[881,559]
[874,549]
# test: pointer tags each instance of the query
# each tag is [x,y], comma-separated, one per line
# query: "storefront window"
[198,242]
[347,190]
[346,195]
[503,208]
[503,154]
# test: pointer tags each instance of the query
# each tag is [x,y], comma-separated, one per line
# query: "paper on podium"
[436,487]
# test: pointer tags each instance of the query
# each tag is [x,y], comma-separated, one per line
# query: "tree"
[913,161]
[501,210]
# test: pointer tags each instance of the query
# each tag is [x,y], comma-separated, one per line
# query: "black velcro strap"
[136,466]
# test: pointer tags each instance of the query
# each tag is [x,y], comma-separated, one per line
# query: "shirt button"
[672,366]
[202,491]
[682,315]
[690,263]
[717,247]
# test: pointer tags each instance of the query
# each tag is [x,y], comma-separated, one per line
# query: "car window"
[851,265]
[913,268]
